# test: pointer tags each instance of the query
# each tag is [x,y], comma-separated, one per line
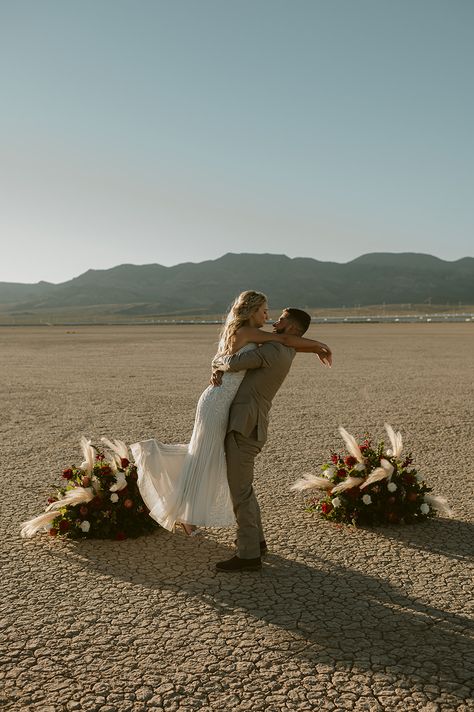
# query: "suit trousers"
[241,452]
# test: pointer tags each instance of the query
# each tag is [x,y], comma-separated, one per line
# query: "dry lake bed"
[338,619]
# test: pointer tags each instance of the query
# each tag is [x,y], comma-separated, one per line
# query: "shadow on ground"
[449,537]
[314,610]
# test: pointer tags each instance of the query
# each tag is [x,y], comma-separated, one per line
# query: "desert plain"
[339,618]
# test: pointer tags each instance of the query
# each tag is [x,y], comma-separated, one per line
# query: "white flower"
[329,472]
[120,482]
[424,508]
[367,499]
[392,487]
[359,467]
[114,497]
[85,525]
[336,502]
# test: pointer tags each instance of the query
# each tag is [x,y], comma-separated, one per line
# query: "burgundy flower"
[106,470]
[335,459]
[86,481]
[83,511]
[326,507]
[53,532]
[128,503]
[353,493]
[67,474]
[99,457]
[120,536]
[124,462]
[341,472]
[350,461]
[64,526]
[51,500]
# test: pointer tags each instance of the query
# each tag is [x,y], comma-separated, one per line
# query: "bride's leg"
[189,529]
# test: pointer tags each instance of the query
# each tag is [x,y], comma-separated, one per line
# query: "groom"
[267,367]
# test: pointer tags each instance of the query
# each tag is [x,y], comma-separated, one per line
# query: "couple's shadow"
[316,610]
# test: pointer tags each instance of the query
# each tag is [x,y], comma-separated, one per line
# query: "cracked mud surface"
[338,619]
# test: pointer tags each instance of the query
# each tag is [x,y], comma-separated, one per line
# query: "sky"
[152,131]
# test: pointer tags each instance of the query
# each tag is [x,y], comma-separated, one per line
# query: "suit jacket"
[267,367]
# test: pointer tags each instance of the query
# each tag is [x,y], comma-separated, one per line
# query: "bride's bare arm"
[247,334]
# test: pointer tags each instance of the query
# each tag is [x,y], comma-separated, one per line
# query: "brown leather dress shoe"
[236,564]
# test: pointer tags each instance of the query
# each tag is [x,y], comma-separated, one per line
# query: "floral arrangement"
[99,500]
[372,485]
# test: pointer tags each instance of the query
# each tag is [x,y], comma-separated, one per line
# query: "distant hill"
[208,287]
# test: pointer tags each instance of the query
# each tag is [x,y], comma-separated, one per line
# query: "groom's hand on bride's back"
[216,378]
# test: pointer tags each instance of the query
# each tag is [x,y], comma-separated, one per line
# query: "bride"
[186,484]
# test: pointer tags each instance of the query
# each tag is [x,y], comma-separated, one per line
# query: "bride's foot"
[189,529]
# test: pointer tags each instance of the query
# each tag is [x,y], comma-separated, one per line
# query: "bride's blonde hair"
[240,312]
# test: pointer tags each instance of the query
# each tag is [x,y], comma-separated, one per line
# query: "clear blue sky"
[149,131]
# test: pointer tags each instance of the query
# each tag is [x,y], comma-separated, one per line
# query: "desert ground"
[339,618]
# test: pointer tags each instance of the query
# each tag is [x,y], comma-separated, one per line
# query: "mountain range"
[208,287]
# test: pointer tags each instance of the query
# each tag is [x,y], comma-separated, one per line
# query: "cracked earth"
[338,619]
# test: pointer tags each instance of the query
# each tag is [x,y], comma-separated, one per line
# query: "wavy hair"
[239,313]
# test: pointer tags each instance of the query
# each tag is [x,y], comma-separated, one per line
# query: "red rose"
[362,448]
[124,462]
[128,503]
[326,507]
[106,470]
[67,474]
[120,536]
[64,526]
[341,472]
[53,531]
[350,461]
[335,458]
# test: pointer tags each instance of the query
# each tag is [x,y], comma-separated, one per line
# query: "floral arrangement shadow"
[372,485]
[99,500]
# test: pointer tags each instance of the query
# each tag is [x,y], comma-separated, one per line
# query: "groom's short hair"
[300,318]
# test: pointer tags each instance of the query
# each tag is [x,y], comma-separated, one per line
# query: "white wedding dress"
[188,483]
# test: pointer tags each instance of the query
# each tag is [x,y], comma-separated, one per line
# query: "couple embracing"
[209,482]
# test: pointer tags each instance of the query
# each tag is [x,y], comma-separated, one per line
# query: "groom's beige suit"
[267,367]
